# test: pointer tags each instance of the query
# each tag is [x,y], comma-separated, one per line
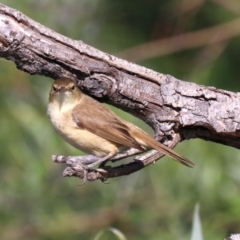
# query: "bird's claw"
[85,179]
[87,169]
[104,181]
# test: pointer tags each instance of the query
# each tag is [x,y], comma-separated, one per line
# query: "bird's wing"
[98,119]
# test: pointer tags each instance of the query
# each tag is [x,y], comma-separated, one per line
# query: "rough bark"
[176,110]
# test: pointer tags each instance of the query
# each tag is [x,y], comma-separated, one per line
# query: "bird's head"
[64,91]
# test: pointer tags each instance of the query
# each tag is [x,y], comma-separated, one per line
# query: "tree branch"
[176,110]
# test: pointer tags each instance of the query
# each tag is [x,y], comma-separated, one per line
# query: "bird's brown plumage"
[89,125]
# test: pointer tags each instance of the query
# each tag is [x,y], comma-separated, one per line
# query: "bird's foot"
[86,170]
[84,167]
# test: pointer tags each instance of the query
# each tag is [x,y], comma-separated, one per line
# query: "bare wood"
[176,110]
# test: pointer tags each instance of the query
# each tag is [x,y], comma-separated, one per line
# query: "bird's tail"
[150,142]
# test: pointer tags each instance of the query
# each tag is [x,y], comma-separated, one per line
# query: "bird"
[93,128]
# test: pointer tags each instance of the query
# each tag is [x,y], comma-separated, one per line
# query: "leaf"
[197,228]
[119,235]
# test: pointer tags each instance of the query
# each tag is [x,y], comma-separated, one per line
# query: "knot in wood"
[99,85]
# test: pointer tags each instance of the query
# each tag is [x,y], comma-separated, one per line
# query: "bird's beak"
[62,90]
[61,96]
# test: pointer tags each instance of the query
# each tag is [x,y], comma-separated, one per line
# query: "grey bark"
[176,110]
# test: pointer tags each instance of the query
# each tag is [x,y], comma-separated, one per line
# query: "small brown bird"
[91,127]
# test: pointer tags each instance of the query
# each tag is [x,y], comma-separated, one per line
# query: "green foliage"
[155,203]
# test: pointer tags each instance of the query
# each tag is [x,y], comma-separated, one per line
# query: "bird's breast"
[82,139]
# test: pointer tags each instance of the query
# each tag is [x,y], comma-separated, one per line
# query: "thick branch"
[175,109]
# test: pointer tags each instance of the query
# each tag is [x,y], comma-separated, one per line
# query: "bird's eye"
[54,89]
[73,87]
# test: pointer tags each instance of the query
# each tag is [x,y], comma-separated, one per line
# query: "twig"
[181,42]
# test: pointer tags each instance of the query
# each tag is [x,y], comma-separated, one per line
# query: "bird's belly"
[89,142]
[80,138]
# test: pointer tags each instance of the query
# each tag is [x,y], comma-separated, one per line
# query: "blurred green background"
[36,202]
